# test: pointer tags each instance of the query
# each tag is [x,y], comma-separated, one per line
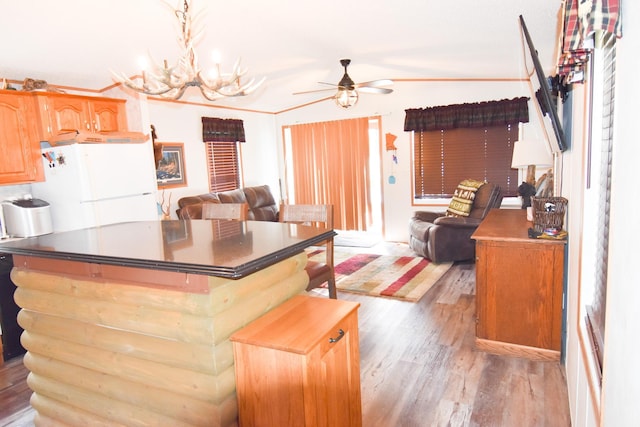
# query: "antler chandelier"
[172,82]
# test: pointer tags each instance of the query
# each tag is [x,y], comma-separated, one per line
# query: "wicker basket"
[548,212]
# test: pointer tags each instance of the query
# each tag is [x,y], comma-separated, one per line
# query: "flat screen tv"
[543,94]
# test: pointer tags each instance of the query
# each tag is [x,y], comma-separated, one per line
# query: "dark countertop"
[222,248]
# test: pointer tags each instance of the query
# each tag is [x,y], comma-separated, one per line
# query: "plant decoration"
[166,209]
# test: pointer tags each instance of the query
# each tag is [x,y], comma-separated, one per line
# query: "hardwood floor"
[418,365]
[14,394]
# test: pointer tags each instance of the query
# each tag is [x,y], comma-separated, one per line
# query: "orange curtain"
[331,165]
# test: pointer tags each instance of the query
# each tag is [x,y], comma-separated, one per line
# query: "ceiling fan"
[347,94]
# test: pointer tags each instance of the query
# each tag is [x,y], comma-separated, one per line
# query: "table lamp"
[529,154]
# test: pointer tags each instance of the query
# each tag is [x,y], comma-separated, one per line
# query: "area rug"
[402,277]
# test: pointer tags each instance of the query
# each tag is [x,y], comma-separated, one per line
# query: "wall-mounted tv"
[544,95]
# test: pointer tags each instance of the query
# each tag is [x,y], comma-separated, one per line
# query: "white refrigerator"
[90,185]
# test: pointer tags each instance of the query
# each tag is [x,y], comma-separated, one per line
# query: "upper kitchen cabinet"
[62,113]
[20,153]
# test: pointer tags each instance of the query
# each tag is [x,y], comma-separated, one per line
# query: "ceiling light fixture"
[346,98]
[172,82]
[347,95]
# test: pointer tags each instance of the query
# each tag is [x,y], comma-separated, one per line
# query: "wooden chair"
[318,272]
[237,211]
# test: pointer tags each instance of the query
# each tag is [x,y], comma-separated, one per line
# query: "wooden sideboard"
[519,288]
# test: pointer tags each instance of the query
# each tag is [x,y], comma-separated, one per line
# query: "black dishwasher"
[11,331]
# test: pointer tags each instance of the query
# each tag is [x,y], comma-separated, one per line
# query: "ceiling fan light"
[346,98]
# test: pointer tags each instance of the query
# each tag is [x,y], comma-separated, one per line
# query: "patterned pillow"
[462,200]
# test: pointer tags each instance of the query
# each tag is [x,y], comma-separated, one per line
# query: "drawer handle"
[340,335]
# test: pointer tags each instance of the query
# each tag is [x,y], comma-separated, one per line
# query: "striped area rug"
[402,277]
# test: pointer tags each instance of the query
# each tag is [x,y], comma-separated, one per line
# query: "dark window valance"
[222,130]
[472,115]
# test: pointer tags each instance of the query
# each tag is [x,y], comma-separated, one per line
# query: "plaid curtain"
[582,18]
[480,114]
[222,130]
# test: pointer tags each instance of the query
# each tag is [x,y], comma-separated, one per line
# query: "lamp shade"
[530,152]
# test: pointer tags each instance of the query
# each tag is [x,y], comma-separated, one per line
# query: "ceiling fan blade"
[312,91]
[375,83]
[380,90]
[373,86]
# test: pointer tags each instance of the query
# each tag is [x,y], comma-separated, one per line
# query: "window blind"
[222,163]
[444,158]
[595,316]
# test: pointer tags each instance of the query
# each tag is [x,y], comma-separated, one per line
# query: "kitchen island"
[129,324]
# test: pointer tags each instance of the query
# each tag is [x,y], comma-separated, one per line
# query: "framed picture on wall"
[170,171]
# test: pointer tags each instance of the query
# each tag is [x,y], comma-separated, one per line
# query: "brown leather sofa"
[443,238]
[262,206]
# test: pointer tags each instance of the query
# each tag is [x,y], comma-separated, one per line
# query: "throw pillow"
[462,199]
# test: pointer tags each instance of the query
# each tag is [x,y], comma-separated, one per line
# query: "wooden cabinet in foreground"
[519,288]
[299,365]
[20,161]
[60,113]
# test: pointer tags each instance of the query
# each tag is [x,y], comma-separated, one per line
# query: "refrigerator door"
[96,184]
[113,170]
[73,216]
[125,209]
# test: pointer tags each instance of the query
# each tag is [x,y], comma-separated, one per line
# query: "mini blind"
[222,163]
[444,158]
[596,310]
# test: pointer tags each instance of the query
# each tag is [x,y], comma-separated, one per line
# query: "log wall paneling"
[108,352]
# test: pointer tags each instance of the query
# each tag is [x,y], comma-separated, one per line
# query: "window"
[222,163]
[455,142]
[331,162]
[221,137]
[443,158]
[601,155]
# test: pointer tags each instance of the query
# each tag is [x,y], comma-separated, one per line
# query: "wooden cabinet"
[26,118]
[62,112]
[20,161]
[299,365]
[519,288]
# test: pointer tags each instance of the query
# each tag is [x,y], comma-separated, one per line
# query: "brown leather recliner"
[443,238]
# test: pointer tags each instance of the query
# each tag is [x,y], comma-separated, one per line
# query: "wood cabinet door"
[20,161]
[107,116]
[333,384]
[69,113]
